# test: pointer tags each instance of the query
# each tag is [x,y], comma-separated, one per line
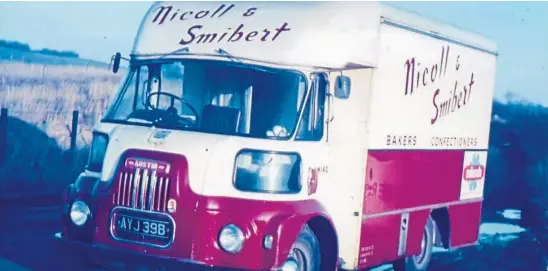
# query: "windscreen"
[211,96]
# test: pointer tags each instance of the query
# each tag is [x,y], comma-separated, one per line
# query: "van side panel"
[428,133]
[465,220]
[378,239]
[403,179]
[412,183]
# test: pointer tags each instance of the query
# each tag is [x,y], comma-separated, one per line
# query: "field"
[40,92]
[46,95]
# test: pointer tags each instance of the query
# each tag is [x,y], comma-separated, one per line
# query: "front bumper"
[120,259]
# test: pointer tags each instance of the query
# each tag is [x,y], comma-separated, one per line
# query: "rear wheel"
[305,253]
[420,261]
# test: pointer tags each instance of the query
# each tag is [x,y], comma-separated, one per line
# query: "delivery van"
[287,136]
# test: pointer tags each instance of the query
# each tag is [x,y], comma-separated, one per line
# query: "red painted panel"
[464,222]
[379,240]
[417,221]
[380,237]
[402,179]
[199,219]
[405,179]
[259,219]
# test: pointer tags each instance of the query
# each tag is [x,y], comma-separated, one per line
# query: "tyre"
[420,261]
[305,253]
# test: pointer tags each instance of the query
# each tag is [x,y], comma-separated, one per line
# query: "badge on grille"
[171,205]
[160,167]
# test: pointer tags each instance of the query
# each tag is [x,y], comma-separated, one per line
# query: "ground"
[502,246]
[26,243]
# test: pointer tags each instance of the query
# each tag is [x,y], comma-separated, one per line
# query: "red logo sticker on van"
[473,172]
[160,167]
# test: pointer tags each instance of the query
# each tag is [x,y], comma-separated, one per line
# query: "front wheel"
[305,253]
[420,261]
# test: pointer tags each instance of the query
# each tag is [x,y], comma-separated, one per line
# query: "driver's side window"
[142,88]
[311,126]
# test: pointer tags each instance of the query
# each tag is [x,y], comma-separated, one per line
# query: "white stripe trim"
[421,208]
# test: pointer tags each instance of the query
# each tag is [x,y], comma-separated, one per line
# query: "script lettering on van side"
[196,34]
[447,102]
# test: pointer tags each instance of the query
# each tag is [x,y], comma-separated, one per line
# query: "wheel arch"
[329,243]
[442,227]
[322,227]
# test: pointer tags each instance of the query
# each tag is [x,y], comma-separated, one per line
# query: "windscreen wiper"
[236,59]
[180,51]
[186,51]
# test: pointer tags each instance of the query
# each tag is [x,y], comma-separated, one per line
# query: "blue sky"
[98,29]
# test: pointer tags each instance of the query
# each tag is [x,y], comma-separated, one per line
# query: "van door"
[347,144]
[311,136]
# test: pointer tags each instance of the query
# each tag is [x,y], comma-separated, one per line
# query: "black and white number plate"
[142,227]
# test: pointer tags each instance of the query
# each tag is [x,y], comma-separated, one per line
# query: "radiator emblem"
[171,205]
[160,167]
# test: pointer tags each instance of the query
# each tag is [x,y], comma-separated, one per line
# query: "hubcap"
[290,265]
[295,262]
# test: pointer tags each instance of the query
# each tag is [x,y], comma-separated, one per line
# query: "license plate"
[142,227]
[136,225]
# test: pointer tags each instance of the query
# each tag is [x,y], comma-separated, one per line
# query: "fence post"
[3,135]
[74,132]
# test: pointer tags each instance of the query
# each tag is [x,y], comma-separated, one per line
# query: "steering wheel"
[172,111]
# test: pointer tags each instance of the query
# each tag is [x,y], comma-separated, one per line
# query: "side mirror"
[116,64]
[342,87]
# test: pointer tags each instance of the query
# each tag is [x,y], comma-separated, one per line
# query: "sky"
[96,30]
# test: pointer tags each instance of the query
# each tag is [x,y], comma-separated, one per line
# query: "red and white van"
[288,136]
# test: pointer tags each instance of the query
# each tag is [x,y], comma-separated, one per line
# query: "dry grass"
[17,69]
[46,95]
[40,100]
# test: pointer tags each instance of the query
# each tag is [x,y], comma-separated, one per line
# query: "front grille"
[143,189]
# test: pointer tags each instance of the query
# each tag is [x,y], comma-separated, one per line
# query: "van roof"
[425,25]
[315,34]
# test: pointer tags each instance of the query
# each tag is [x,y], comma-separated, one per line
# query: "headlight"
[231,238]
[259,171]
[97,152]
[79,213]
